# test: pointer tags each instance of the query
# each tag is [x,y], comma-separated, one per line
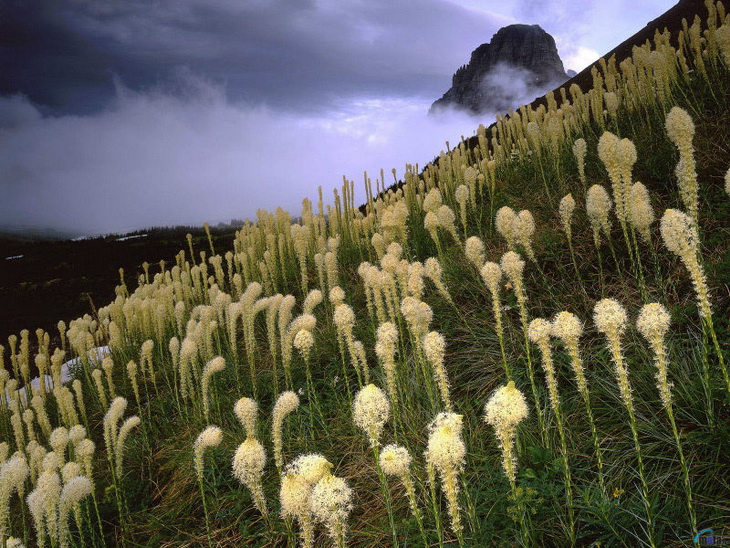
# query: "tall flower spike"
[248,467]
[566,208]
[653,324]
[505,223]
[73,492]
[13,474]
[446,452]
[462,198]
[539,332]
[524,230]
[641,212]
[492,275]
[474,251]
[210,437]
[246,410]
[579,150]
[286,403]
[598,206]
[432,270]
[434,346]
[124,432]
[610,319]
[608,154]
[681,130]
[331,503]
[504,411]
[371,410]
[385,347]
[395,461]
[216,365]
[679,233]
[295,496]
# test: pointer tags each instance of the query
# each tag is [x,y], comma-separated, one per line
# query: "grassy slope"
[474,367]
[160,487]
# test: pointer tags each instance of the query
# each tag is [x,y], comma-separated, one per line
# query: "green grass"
[159,483]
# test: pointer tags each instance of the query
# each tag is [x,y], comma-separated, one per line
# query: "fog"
[189,154]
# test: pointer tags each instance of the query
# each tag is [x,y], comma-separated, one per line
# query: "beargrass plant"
[265,300]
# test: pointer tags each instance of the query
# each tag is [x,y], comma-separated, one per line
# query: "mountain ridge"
[516,53]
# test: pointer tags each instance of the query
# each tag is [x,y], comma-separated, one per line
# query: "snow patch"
[96,355]
[125,238]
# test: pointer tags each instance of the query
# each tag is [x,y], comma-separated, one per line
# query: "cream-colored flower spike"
[598,206]
[524,229]
[446,452]
[248,467]
[505,222]
[216,365]
[641,212]
[504,411]
[370,411]
[474,251]
[286,403]
[210,437]
[73,492]
[653,324]
[246,409]
[434,346]
[680,237]
[566,208]
[13,474]
[681,130]
[396,461]
[579,150]
[331,503]
[385,348]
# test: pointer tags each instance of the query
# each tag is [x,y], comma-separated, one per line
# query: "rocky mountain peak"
[519,63]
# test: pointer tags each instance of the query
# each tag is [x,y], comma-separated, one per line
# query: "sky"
[120,115]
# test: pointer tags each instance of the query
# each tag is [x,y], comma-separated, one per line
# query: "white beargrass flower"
[246,410]
[73,492]
[331,503]
[579,150]
[566,208]
[504,411]
[248,467]
[598,206]
[681,130]
[434,346]
[210,437]
[474,251]
[216,365]
[653,324]
[640,210]
[446,452]
[286,403]
[124,431]
[505,221]
[13,474]
[371,410]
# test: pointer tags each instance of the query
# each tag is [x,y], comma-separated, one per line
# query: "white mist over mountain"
[158,158]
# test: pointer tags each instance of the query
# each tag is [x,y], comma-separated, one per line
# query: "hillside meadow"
[524,343]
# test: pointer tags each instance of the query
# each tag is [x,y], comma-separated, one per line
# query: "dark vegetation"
[59,280]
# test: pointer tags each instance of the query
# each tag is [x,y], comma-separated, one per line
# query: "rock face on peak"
[519,63]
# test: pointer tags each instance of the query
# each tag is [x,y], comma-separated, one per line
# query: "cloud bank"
[162,158]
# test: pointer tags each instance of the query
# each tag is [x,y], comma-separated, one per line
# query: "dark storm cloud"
[291,54]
